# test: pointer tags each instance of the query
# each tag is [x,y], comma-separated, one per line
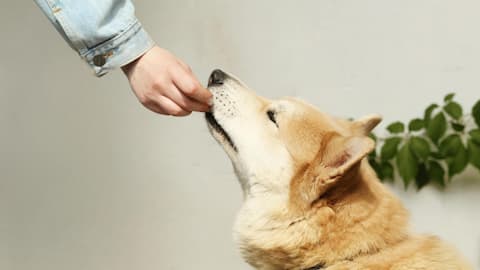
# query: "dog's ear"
[364,125]
[337,156]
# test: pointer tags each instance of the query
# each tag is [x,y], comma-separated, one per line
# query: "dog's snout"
[217,77]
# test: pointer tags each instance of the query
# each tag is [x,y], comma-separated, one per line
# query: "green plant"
[431,149]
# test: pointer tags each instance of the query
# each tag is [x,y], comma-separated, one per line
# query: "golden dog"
[311,200]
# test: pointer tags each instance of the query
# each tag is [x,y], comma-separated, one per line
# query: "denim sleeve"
[105,33]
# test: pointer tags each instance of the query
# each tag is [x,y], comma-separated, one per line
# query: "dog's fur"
[311,200]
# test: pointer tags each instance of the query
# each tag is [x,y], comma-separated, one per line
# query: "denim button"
[99,60]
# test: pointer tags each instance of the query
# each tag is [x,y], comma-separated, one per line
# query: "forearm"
[106,34]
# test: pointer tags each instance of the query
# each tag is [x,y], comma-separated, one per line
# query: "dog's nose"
[217,77]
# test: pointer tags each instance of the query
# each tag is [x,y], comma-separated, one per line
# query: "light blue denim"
[96,29]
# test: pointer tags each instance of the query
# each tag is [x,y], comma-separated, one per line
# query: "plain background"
[89,179]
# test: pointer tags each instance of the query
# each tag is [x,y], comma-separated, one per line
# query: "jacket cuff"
[127,46]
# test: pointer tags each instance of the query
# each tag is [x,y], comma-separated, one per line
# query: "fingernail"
[210,102]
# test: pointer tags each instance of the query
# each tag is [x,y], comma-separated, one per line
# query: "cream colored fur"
[311,198]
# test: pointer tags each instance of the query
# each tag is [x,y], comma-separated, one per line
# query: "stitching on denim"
[111,43]
[64,24]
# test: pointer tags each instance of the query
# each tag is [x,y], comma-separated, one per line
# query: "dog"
[311,200]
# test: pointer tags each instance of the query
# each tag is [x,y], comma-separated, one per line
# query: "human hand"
[166,85]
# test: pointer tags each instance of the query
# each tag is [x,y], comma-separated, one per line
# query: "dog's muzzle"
[217,78]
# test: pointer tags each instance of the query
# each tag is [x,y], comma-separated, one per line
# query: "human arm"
[107,35]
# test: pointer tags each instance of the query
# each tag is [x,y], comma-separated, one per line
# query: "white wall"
[91,180]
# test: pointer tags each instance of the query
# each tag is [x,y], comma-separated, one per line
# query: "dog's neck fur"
[332,231]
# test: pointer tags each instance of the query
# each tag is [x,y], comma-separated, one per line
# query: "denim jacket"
[105,33]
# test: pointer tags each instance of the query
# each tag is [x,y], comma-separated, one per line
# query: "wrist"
[127,68]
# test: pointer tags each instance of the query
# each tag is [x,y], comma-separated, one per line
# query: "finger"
[171,107]
[153,106]
[186,103]
[189,85]
[185,66]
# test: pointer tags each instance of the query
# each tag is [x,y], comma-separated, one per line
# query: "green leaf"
[422,178]
[389,148]
[436,173]
[406,164]
[474,153]
[457,163]
[448,97]
[475,135]
[476,113]
[450,145]
[454,110]
[420,147]
[416,124]
[457,127]
[396,127]
[437,127]
[437,155]
[428,113]
[387,170]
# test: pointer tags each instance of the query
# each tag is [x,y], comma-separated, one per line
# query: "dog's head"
[271,143]
[285,152]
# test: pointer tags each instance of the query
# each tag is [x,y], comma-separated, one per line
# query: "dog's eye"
[271,116]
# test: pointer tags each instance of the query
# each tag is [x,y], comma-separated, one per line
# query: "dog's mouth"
[212,122]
